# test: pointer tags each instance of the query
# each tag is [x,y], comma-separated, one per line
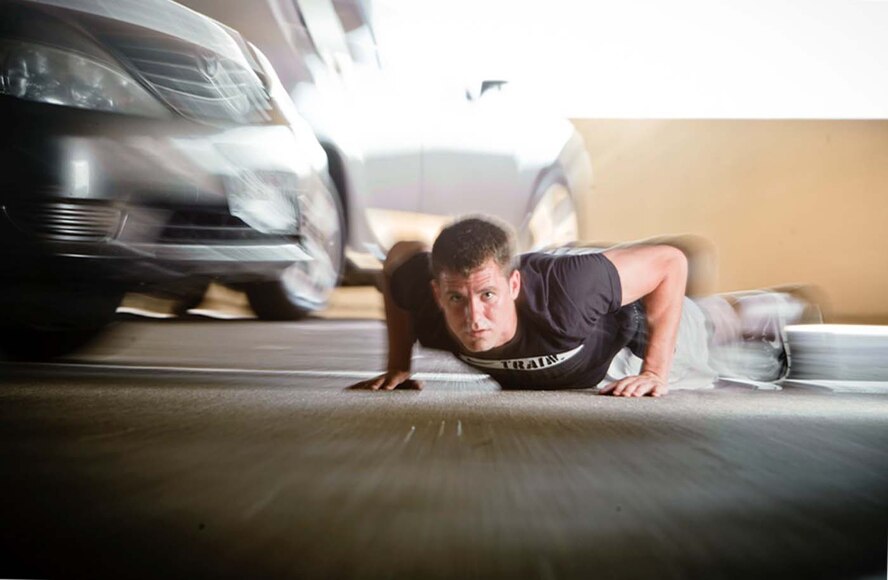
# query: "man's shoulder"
[564,261]
[580,281]
[417,263]
[409,280]
[402,252]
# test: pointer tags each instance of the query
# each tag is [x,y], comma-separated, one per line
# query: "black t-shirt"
[570,323]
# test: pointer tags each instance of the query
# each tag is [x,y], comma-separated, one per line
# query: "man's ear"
[515,284]
[436,292]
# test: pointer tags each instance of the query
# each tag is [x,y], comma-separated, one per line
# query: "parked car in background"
[146,146]
[406,158]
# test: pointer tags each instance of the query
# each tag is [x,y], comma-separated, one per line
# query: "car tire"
[64,326]
[305,286]
[35,344]
[553,219]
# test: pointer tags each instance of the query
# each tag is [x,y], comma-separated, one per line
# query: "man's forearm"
[657,275]
[663,307]
[398,322]
[401,336]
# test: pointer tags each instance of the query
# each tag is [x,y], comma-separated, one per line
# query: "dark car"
[146,146]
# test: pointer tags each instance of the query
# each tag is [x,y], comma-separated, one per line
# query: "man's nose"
[474,313]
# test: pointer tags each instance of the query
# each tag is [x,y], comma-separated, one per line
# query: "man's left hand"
[646,383]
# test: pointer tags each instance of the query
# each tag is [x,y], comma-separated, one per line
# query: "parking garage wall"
[783,201]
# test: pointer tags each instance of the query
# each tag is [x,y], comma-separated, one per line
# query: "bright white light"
[648,58]
[838,329]
[80,177]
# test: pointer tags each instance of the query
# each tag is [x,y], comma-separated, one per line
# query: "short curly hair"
[466,244]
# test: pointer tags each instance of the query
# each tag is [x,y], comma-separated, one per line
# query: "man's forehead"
[488,273]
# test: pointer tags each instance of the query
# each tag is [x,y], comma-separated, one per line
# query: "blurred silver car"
[148,147]
[405,159]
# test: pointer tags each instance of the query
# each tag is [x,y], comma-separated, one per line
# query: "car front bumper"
[117,199]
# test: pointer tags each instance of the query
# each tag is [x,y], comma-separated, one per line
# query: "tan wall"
[783,201]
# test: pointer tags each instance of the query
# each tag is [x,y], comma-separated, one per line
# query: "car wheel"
[305,286]
[553,220]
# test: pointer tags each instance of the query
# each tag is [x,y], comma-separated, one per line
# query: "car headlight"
[49,75]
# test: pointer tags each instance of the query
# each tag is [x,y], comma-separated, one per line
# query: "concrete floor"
[233,449]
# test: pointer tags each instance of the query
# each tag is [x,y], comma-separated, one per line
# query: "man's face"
[479,308]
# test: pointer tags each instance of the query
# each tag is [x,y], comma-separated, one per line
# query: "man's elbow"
[675,266]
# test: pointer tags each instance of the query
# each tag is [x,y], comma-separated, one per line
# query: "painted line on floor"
[313,373]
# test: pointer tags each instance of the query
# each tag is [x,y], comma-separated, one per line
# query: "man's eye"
[455,298]
[487,295]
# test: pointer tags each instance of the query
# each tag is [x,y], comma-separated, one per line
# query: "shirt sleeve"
[410,283]
[575,289]
[411,290]
[592,282]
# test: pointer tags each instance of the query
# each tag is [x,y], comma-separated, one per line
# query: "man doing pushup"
[543,320]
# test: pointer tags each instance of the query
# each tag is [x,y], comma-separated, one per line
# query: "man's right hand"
[390,381]
[399,327]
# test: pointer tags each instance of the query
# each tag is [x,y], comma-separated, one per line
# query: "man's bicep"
[642,268]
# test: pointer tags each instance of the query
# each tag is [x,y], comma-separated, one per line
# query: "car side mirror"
[488,85]
[492,85]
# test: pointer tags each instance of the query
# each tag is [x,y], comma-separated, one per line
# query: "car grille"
[65,221]
[100,222]
[197,83]
[208,225]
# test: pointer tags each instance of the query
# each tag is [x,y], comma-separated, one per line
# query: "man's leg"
[690,366]
[747,330]
[737,335]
